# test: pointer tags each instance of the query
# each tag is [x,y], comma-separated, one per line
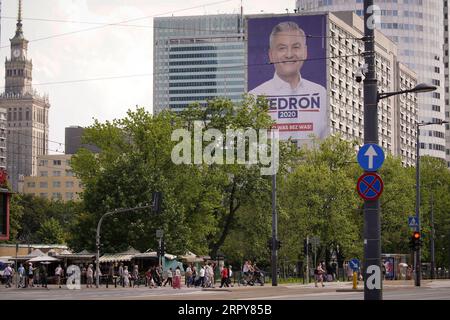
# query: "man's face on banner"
[287,48]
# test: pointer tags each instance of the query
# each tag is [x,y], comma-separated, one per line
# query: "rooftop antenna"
[241,30]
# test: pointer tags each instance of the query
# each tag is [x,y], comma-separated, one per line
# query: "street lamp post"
[417,259]
[97,238]
[372,225]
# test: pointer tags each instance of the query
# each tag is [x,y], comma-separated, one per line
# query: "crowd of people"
[28,275]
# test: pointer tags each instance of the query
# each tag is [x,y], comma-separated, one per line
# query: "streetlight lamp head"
[423,87]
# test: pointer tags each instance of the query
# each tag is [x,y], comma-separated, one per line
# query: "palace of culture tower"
[26,112]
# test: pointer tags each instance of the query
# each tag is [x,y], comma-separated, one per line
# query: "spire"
[19,31]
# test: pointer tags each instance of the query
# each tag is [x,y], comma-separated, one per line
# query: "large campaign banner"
[287,65]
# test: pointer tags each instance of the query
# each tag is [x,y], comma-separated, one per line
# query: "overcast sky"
[103,52]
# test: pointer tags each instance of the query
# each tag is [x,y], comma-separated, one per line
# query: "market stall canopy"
[43,259]
[5,259]
[147,255]
[190,257]
[36,253]
[118,257]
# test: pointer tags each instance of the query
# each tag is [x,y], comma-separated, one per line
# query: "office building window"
[69,195]
[56,196]
[56,184]
[56,162]
[56,173]
[43,184]
[69,184]
[44,174]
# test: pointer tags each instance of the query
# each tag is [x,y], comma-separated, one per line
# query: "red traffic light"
[416,235]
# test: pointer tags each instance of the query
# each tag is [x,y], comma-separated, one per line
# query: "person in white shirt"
[297,105]
[58,274]
[8,273]
[202,276]
[21,272]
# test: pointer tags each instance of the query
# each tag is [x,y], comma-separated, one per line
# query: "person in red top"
[224,276]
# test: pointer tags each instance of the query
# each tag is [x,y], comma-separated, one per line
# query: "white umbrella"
[43,259]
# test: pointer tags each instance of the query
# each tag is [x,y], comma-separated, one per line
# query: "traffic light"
[162,249]
[307,247]
[157,201]
[416,241]
[277,244]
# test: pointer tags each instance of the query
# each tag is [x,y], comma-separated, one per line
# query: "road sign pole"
[274,257]
[372,229]
[307,259]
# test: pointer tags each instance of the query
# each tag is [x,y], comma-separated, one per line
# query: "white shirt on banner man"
[297,105]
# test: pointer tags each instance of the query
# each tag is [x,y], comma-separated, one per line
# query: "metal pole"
[97,238]
[417,260]
[15,267]
[97,257]
[274,217]
[372,228]
[433,267]
[159,254]
[307,259]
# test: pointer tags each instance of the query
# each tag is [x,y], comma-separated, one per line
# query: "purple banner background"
[259,29]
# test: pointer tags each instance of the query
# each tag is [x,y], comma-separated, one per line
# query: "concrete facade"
[54,180]
[27,112]
[416,26]
[397,115]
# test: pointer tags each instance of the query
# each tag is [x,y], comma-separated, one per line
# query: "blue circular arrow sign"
[370,157]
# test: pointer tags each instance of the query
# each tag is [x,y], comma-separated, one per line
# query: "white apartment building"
[415,25]
[397,115]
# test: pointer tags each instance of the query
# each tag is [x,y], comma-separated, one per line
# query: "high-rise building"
[397,114]
[447,84]
[197,59]
[73,141]
[27,111]
[414,26]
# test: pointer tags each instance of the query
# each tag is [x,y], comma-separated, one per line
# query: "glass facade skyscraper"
[197,58]
[416,26]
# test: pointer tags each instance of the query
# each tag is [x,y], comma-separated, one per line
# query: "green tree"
[397,203]
[435,193]
[318,198]
[51,232]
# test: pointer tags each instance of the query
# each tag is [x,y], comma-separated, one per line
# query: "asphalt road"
[399,290]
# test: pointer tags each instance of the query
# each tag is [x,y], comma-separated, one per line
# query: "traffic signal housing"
[277,244]
[307,247]
[157,202]
[416,241]
[162,249]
